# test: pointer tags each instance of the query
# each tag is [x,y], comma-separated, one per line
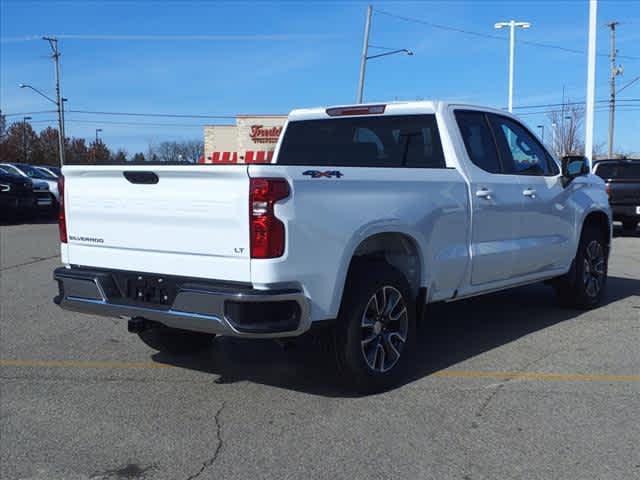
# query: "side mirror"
[574,166]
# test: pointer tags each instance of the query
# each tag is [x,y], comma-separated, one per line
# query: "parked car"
[30,171]
[366,214]
[622,178]
[17,198]
[45,201]
[48,170]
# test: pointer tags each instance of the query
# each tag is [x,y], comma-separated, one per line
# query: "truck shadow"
[449,334]
[618,231]
[40,220]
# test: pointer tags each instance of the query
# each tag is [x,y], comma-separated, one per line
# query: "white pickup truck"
[366,214]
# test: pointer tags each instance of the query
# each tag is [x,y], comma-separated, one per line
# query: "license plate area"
[638,210]
[152,290]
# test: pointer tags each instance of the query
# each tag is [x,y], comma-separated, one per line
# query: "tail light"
[62,218]
[266,230]
[607,188]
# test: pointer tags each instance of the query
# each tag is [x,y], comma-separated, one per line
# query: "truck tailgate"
[185,220]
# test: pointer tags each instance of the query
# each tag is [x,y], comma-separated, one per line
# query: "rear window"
[624,171]
[387,141]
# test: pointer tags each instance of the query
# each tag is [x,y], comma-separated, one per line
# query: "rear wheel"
[175,341]
[584,285]
[376,327]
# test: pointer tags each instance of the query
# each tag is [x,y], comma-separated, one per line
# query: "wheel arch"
[397,247]
[600,221]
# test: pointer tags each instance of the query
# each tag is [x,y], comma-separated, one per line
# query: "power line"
[545,105]
[601,109]
[172,38]
[492,37]
[28,113]
[108,122]
[165,115]
[234,116]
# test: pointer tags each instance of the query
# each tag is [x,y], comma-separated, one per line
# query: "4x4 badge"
[325,174]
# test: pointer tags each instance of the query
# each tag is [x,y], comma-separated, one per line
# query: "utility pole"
[365,52]
[53,42]
[24,138]
[615,71]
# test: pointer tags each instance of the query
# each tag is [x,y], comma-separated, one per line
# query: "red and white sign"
[262,134]
[252,140]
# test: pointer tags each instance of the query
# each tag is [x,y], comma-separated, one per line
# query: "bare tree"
[120,156]
[566,129]
[171,151]
[3,125]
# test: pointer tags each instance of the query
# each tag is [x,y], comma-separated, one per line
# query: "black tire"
[629,226]
[175,341]
[355,358]
[584,285]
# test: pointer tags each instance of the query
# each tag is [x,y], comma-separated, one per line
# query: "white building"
[251,140]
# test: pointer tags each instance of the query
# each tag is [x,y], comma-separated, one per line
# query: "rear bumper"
[197,305]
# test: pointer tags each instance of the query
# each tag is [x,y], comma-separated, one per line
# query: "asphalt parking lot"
[505,386]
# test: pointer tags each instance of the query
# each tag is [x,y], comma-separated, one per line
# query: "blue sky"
[270,57]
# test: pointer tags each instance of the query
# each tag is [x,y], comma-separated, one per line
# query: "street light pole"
[98,130]
[365,51]
[512,24]
[591,83]
[53,42]
[365,54]
[24,137]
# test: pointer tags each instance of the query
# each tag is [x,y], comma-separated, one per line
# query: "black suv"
[16,195]
[622,177]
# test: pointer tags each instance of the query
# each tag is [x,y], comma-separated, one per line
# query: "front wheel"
[376,327]
[175,341]
[584,285]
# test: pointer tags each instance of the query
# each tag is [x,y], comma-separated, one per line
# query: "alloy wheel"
[594,268]
[384,326]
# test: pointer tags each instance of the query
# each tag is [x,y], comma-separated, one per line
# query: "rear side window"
[478,140]
[621,170]
[384,141]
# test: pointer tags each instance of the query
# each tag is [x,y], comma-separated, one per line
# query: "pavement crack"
[31,262]
[502,384]
[207,463]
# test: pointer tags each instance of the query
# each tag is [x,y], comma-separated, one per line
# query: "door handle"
[484,193]
[147,178]
[529,192]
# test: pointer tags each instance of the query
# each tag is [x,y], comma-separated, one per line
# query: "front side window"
[382,141]
[520,152]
